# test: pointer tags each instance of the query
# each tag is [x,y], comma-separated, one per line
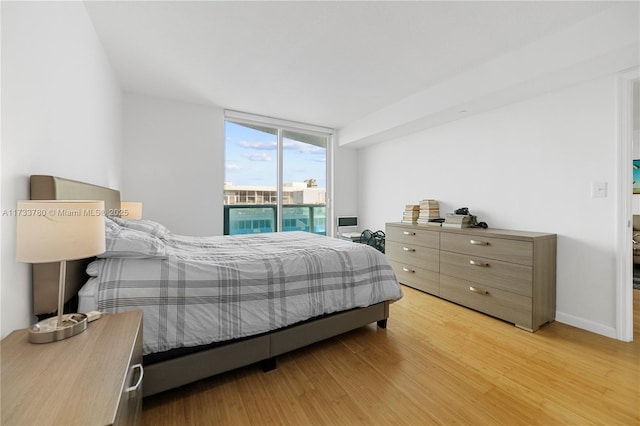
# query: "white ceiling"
[323,63]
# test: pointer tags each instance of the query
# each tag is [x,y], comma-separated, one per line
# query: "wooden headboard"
[46,275]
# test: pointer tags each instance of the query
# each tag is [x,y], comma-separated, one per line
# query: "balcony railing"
[249,219]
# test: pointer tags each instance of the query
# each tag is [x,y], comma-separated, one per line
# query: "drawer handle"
[480,264]
[409,233]
[137,385]
[412,271]
[478,243]
[477,290]
[408,249]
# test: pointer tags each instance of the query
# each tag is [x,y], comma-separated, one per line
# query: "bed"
[283,290]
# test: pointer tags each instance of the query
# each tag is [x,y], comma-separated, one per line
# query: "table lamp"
[58,231]
[131,210]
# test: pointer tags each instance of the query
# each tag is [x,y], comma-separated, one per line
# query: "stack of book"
[453,220]
[429,212]
[411,213]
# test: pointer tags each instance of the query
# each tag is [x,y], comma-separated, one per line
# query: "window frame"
[281,125]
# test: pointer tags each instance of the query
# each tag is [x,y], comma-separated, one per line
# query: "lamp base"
[47,331]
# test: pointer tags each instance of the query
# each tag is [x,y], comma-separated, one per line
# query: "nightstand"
[93,378]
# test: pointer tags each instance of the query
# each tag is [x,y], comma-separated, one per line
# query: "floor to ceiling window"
[276,175]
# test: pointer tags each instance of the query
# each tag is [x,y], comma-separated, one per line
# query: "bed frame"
[170,373]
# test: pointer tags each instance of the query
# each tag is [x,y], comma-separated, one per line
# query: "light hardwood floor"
[436,363]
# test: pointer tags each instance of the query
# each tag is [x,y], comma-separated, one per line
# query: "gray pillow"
[131,243]
[143,225]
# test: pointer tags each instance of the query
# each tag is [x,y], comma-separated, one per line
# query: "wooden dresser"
[93,378]
[510,275]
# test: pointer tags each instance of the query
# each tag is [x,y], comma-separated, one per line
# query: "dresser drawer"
[426,258]
[419,278]
[130,406]
[502,304]
[413,235]
[504,249]
[510,277]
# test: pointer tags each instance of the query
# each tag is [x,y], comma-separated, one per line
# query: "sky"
[251,158]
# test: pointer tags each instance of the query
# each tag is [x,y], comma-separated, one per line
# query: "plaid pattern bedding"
[219,288]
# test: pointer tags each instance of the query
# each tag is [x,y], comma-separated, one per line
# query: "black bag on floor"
[374,239]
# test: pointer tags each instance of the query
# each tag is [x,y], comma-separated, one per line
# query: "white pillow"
[93,268]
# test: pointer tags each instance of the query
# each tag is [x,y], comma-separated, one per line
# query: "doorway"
[635,203]
[628,109]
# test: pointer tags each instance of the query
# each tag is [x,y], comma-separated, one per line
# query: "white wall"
[61,115]
[174,163]
[528,166]
[345,182]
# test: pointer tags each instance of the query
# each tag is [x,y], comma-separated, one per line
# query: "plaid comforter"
[214,289]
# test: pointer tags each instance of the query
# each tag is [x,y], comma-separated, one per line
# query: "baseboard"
[584,324]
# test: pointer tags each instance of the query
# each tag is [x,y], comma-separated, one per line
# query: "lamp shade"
[52,231]
[130,210]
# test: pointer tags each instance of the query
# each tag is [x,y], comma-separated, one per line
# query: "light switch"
[598,189]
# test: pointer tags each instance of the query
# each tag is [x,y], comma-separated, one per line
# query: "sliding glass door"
[275,177]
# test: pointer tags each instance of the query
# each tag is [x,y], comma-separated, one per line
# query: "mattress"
[87,296]
[199,290]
